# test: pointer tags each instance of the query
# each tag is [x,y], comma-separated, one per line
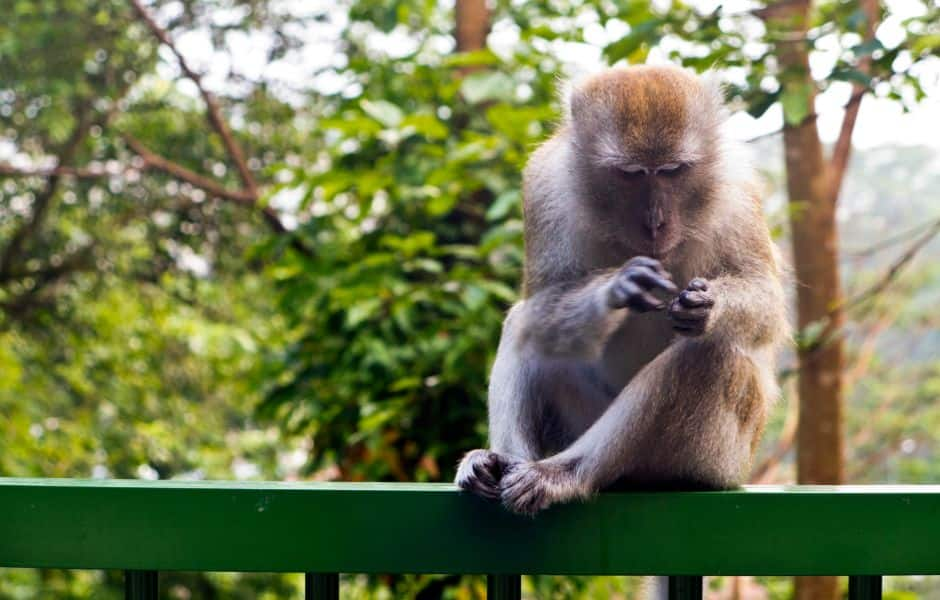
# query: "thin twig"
[213,112]
[839,162]
[866,351]
[895,269]
[764,472]
[901,236]
[218,123]
[841,152]
[155,161]
[91,172]
[41,204]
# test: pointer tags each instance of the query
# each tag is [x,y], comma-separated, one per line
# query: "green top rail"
[432,528]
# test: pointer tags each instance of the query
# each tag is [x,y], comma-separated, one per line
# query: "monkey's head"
[646,140]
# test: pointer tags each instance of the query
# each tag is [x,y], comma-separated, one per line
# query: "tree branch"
[20,305]
[213,112]
[896,267]
[889,241]
[43,199]
[866,351]
[218,123]
[9,170]
[210,186]
[764,472]
[155,161]
[889,447]
[839,161]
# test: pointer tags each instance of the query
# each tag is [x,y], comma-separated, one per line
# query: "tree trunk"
[819,296]
[473,24]
[815,252]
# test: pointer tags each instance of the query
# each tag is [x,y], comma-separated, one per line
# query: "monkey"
[642,352]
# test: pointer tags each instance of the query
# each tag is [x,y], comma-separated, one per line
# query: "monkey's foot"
[527,488]
[480,472]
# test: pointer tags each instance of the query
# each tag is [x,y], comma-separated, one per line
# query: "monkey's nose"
[654,221]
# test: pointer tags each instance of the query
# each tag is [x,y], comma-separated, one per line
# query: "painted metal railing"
[325,529]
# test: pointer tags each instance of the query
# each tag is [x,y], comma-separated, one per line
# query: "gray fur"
[591,388]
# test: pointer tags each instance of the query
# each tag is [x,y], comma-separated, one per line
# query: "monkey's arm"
[742,300]
[575,319]
[746,310]
[750,309]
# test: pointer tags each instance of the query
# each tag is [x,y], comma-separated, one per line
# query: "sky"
[881,122]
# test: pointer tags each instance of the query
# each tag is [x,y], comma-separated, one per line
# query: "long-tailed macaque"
[642,352]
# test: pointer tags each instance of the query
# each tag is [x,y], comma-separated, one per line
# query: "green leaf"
[504,203]
[362,310]
[427,125]
[487,86]
[852,75]
[473,297]
[929,43]
[383,111]
[811,335]
[760,103]
[643,33]
[795,102]
[476,58]
[866,48]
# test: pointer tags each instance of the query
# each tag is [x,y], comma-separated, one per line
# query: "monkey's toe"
[479,473]
[526,489]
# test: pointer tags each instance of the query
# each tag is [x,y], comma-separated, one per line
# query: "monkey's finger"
[650,263]
[652,280]
[645,261]
[479,487]
[619,295]
[695,299]
[688,330]
[638,299]
[689,315]
[479,472]
[523,491]
[484,483]
[698,284]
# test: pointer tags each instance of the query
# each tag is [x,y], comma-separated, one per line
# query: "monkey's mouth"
[659,247]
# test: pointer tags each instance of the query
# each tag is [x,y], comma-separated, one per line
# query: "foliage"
[414,211]
[151,327]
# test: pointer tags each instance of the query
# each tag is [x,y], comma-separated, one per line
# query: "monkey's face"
[644,205]
[644,136]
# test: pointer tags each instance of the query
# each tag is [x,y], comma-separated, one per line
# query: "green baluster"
[322,586]
[140,585]
[865,587]
[503,587]
[685,587]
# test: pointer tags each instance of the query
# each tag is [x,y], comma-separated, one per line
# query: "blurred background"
[275,239]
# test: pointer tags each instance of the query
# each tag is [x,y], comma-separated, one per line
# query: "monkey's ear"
[714,87]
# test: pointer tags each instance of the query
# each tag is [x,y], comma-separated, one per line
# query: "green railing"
[326,529]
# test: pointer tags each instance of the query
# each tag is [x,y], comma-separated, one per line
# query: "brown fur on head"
[646,138]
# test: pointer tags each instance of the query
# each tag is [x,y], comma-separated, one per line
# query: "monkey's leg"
[526,420]
[689,417]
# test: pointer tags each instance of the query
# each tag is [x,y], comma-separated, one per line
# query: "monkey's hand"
[480,472]
[528,487]
[633,286]
[690,310]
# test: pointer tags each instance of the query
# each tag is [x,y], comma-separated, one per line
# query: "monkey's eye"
[633,171]
[670,169]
